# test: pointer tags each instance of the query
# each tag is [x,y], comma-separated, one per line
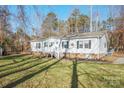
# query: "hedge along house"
[88,45]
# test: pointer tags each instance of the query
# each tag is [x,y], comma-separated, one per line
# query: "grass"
[27,71]
[110,58]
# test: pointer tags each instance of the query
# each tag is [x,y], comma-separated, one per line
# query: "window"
[51,44]
[45,44]
[65,44]
[87,44]
[105,45]
[38,45]
[79,44]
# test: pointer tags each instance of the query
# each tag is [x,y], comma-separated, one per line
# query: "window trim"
[65,43]
[38,45]
[89,43]
[45,44]
[51,44]
[79,43]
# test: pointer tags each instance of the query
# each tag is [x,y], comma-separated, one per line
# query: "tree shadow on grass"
[6,64]
[101,68]
[13,84]
[12,57]
[19,70]
[16,62]
[18,65]
[105,79]
[91,78]
[74,82]
[25,59]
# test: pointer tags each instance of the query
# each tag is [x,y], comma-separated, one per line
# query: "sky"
[62,11]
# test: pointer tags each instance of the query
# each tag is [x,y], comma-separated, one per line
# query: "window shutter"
[89,44]
[67,44]
[62,44]
[39,45]
[77,44]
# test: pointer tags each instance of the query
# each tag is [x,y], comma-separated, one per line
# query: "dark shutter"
[67,44]
[62,44]
[77,44]
[39,45]
[89,44]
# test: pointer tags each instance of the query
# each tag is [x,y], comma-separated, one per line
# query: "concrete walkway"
[120,60]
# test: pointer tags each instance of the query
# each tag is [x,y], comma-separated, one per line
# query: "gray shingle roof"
[78,35]
[87,35]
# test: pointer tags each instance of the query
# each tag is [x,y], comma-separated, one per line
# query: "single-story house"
[90,45]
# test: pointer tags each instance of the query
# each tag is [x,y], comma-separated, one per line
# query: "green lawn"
[27,71]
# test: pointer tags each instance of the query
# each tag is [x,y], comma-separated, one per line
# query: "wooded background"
[51,25]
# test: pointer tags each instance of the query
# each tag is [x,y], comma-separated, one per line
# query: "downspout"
[99,48]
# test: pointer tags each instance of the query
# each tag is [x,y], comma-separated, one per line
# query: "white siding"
[97,46]
[73,49]
[33,46]
[52,48]
[103,45]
